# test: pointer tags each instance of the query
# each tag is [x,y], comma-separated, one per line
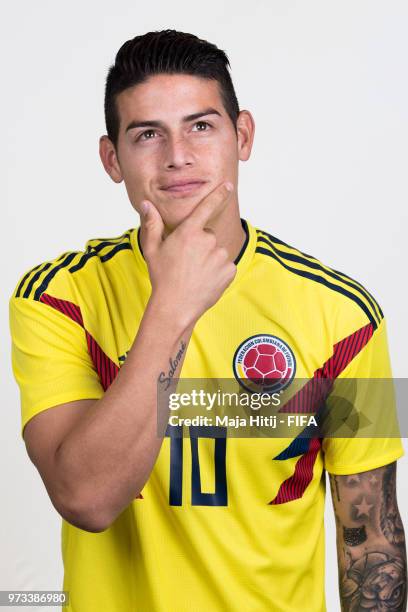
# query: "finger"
[151,227]
[210,206]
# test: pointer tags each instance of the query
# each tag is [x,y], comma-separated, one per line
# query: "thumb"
[151,227]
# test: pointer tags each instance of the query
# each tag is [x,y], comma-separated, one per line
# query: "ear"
[246,133]
[107,153]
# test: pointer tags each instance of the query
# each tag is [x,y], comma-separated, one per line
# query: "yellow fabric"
[247,554]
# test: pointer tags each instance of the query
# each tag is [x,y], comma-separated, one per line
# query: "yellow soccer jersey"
[225,524]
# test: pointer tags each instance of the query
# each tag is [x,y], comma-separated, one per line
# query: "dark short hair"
[170,52]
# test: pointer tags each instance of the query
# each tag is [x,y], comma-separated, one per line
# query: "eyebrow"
[160,124]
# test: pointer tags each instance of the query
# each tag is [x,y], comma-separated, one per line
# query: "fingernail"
[229,186]
[144,208]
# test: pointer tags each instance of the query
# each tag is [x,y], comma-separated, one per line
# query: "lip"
[184,187]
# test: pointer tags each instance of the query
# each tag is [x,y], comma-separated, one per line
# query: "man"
[157,522]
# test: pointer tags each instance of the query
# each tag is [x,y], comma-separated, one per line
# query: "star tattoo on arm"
[371,551]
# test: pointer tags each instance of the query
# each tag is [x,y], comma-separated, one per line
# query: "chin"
[172,221]
[173,213]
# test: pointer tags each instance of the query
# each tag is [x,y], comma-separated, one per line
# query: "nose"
[178,152]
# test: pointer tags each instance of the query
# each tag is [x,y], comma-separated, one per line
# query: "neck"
[232,236]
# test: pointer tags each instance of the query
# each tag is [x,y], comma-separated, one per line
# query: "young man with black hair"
[161,523]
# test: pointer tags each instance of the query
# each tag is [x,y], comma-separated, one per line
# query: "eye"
[144,133]
[203,123]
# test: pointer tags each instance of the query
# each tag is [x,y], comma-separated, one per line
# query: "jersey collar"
[242,261]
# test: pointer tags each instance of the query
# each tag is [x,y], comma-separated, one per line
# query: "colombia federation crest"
[264,364]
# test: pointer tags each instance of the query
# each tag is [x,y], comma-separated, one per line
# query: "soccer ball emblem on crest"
[264,364]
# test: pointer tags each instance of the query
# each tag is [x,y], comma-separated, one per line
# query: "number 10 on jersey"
[198,498]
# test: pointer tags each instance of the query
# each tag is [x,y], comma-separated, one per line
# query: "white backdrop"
[326,83]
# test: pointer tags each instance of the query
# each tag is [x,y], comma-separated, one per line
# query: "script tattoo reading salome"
[173,366]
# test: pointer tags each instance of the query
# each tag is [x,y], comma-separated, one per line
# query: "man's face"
[172,146]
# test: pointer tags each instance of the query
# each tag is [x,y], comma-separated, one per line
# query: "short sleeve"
[366,384]
[50,358]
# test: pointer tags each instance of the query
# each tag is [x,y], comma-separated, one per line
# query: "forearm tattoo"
[370,541]
[166,377]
